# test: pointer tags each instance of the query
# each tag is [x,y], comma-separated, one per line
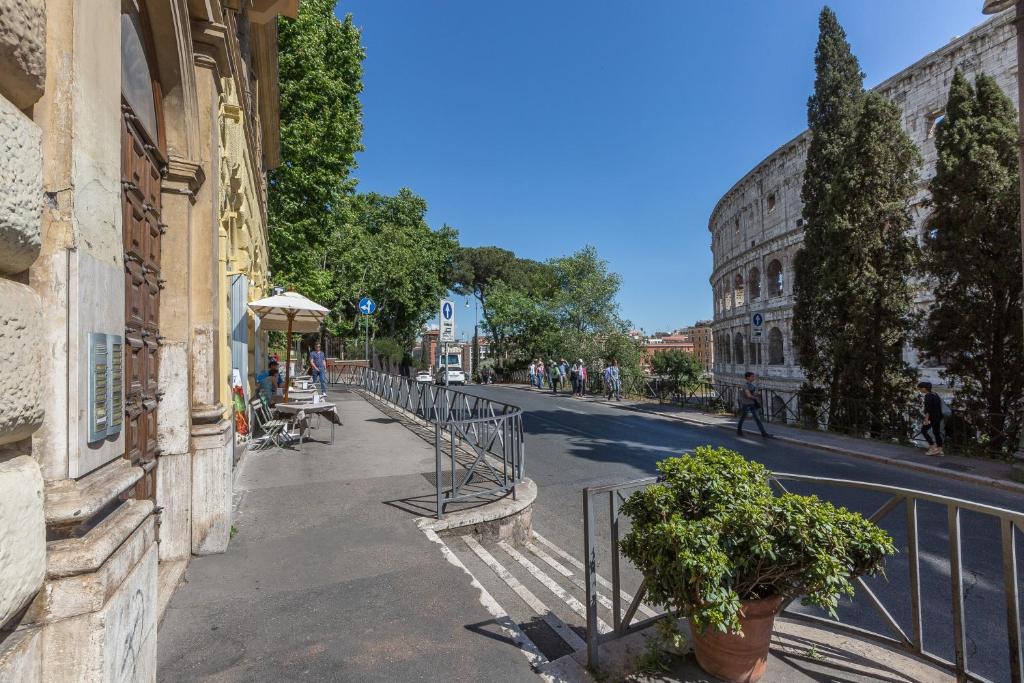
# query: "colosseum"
[756,228]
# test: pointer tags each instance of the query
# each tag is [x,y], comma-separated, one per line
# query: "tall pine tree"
[851,298]
[972,255]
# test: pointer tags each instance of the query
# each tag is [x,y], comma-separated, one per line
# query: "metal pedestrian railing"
[894,634]
[479,449]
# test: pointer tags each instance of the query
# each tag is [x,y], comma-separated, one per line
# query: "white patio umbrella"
[289,312]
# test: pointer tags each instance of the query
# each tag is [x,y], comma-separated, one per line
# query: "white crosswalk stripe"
[501,617]
[549,583]
[567,573]
[626,597]
[556,624]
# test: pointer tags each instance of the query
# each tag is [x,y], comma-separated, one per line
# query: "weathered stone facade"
[93,536]
[756,228]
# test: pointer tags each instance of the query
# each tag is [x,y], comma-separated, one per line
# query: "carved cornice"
[210,45]
[184,177]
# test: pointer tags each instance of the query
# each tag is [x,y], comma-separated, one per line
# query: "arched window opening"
[775,278]
[754,284]
[739,289]
[737,348]
[136,74]
[723,349]
[776,355]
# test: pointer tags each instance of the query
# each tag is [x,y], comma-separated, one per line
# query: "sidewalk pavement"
[328,577]
[982,471]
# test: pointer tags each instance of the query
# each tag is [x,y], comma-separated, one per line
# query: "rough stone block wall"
[22,519]
[21,201]
[22,51]
[22,535]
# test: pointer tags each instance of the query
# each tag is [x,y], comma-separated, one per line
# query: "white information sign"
[447,320]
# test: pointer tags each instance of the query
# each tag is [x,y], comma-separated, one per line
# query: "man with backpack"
[934,410]
[556,372]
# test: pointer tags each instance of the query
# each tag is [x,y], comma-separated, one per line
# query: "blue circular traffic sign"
[447,311]
[367,306]
[758,319]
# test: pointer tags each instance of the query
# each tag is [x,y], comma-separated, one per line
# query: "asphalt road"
[574,443]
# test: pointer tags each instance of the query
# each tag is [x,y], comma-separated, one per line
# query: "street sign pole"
[367,307]
[446,330]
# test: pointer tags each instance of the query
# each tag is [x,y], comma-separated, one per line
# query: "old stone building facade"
[135,136]
[756,228]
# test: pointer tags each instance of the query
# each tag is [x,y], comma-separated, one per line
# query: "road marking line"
[561,569]
[549,583]
[501,617]
[645,608]
[556,624]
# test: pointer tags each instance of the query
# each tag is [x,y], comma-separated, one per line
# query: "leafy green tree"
[679,366]
[972,255]
[585,293]
[320,74]
[525,324]
[478,270]
[852,299]
[386,250]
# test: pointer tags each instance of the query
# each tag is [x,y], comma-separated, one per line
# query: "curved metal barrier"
[894,635]
[479,449]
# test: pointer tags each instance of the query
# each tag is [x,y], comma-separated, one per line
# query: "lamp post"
[476,324]
[994,7]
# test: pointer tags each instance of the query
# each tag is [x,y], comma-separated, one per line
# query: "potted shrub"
[716,545]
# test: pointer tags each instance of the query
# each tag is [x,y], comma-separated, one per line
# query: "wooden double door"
[141,164]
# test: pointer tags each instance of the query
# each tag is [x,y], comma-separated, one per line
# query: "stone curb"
[526,494]
[980,480]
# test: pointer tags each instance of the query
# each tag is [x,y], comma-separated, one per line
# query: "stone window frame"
[738,351]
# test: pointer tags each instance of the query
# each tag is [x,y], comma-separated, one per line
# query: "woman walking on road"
[582,379]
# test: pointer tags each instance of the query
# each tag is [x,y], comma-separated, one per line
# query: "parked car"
[424,377]
[455,375]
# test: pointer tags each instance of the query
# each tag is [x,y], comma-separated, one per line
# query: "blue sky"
[544,126]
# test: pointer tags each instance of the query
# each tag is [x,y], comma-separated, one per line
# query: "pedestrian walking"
[318,363]
[750,402]
[613,381]
[541,374]
[583,378]
[532,373]
[933,414]
[574,377]
[555,370]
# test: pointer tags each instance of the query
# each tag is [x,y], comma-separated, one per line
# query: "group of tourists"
[557,373]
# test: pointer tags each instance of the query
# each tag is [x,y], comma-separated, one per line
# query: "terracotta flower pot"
[739,658]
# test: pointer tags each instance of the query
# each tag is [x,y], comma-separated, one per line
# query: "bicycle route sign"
[367,306]
[447,320]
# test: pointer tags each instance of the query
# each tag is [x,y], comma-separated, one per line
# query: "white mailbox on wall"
[106,385]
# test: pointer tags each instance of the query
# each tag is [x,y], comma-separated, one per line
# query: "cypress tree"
[818,267]
[972,257]
[852,300]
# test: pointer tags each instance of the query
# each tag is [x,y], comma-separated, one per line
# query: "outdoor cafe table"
[302,411]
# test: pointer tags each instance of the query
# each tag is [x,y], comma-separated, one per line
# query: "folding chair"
[273,429]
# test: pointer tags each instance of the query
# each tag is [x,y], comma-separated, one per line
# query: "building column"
[211,432]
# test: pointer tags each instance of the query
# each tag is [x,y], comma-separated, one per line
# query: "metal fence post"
[590,559]
[437,469]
